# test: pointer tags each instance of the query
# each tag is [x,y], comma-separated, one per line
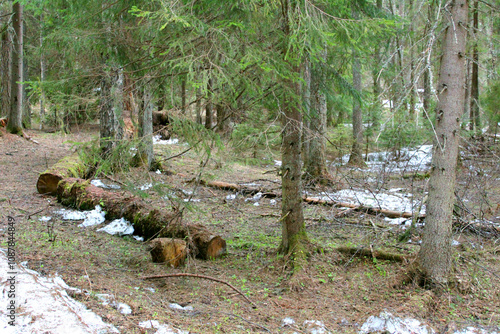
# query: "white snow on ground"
[175,306]
[99,183]
[380,200]
[408,160]
[161,328]
[158,141]
[90,218]
[146,186]
[388,323]
[118,227]
[43,306]
[315,327]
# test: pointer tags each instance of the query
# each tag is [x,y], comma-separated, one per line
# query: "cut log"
[169,250]
[148,221]
[70,166]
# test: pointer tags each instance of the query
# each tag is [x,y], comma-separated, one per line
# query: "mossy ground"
[340,290]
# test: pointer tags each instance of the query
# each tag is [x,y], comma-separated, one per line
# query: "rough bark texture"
[435,253]
[316,162]
[474,85]
[145,152]
[209,106]
[14,124]
[306,96]
[5,69]
[111,130]
[293,224]
[356,158]
[169,250]
[70,166]
[148,221]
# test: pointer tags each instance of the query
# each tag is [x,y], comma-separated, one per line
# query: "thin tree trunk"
[356,157]
[209,106]
[6,73]
[183,95]
[222,119]
[111,130]
[316,162]
[146,127]
[474,89]
[14,124]
[306,129]
[198,106]
[42,80]
[427,91]
[435,256]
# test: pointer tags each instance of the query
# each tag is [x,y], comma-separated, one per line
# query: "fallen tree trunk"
[148,221]
[170,250]
[370,253]
[238,188]
[70,166]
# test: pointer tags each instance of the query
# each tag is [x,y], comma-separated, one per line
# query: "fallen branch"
[370,253]
[204,277]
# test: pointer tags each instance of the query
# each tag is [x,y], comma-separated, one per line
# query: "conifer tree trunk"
[474,87]
[222,119]
[111,130]
[183,95]
[292,217]
[316,162]
[14,124]
[435,256]
[146,127]
[6,69]
[306,95]
[209,106]
[198,106]
[356,158]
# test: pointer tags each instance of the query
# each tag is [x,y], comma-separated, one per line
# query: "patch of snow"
[138,238]
[194,200]
[118,226]
[124,309]
[231,197]
[277,163]
[250,184]
[146,186]
[175,306]
[398,221]
[71,214]
[455,243]
[160,328]
[158,141]
[473,330]
[158,172]
[46,306]
[152,290]
[379,200]
[287,322]
[255,197]
[100,184]
[315,327]
[388,323]
[93,217]
[272,202]
[256,204]
[45,219]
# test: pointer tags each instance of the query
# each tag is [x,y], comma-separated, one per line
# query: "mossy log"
[148,221]
[238,188]
[70,166]
[169,250]
[374,254]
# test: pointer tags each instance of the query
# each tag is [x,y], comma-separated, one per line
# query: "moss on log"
[70,166]
[148,221]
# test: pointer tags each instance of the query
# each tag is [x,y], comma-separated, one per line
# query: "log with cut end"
[148,221]
[169,250]
[70,166]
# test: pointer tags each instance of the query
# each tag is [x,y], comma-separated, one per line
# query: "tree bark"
[6,73]
[209,106]
[293,225]
[111,130]
[148,221]
[435,253]
[145,152]
[316,162]
[356,158]
[474,88]
[14,124]
[306,96]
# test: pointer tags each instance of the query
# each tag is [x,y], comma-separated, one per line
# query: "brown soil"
[340,290]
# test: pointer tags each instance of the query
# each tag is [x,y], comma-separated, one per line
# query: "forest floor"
[340,291]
